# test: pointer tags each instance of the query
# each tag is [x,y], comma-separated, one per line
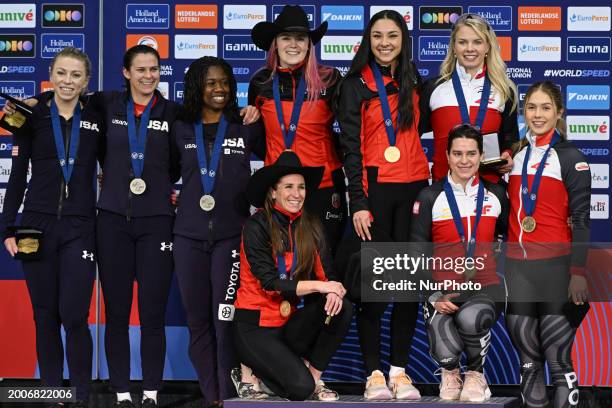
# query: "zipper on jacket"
[60,202]
[128,214]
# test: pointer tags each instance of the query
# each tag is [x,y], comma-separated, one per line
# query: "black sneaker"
[148,403]
[124,404]
[243,389]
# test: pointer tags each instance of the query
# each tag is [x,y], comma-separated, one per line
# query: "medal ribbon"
[463,106]
[208,174]
[138,142]
[530,197]
[66,163]
[452,202]
[384,105]
[289,136]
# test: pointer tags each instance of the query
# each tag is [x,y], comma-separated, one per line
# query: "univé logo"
[17,45]
[339,47]
[63,15]
[438,18]
[18,15]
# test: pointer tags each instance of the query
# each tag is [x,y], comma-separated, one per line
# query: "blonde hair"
[496,67]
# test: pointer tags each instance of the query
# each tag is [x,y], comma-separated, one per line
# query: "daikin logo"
[343,17]
[589,97]
[18,15]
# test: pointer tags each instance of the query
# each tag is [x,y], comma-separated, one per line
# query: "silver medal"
[138,186]
[207,202]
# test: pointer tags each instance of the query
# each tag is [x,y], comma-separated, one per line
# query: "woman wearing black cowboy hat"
[282,260]
[293,93]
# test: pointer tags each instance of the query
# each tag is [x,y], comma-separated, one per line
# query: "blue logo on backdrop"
[343,17]
[310,12]
[51,44]
[522,90]
[147,16]
[499,17]
[591,151]
[17,89]
[241,47]
[178,92]
[588,97]
[243,93]
[244,71]
[17,69]
[6,146]
[588,49]
[433,48]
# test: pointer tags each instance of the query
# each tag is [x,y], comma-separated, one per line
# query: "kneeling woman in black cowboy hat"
[283,258]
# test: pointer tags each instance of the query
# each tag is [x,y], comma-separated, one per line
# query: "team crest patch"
[416,207]
[335,200]
[582,166]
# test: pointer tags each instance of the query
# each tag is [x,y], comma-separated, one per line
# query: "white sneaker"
[475,388]
[402,388]
[376,387]
[450,385]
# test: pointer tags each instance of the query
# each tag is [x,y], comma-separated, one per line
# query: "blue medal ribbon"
[463,106]
[138,142]
[66,163]
[384,104]
[289,136]
[530,197]
[208,173]
[452,202]
[282,266]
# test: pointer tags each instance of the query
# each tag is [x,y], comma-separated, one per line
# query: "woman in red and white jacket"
[283,259]
[386,168]
[472,67]
[549,190]
[466,210]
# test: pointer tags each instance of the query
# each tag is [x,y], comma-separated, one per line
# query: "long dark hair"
[131,53]
[195,82]
[308,234]
[407,77]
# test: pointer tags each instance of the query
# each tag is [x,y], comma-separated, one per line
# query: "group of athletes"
[141,230]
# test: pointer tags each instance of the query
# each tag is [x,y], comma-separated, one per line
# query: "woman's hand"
[332,287]
[250,114]
[10,108]
[444,305]
[11,246]
[333,304]
[578,290]
[362,221]
[508,166]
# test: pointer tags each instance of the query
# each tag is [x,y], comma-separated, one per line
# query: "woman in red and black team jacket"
[293,93]
[473,67]
[283,259]
[386,168]
[466,210]
[549,228]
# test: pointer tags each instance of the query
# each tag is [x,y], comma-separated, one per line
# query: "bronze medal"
[285,308]
[528,224]
[392,154]
[15,120]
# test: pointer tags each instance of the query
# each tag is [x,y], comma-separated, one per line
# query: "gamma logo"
[241,47]
[438,17]
[17,45]
[63,15]
[588,49]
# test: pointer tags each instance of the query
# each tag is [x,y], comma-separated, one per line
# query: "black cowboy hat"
[287,163]
[290,19]
[348,259]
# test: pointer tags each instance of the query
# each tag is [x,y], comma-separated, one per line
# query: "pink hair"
[318,77]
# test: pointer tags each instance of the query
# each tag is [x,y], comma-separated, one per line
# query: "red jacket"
[261,289]
[364,138]
[314,138]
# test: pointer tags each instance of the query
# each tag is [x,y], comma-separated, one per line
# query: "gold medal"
[392,154]
[528,224]
[138,186]
[27,245]
[207,202]
[15,120]
[285,308]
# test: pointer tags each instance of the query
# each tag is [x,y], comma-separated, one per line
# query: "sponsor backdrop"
[570,45]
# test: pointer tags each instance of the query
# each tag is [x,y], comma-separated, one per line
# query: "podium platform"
[357,401]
